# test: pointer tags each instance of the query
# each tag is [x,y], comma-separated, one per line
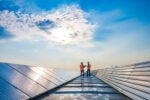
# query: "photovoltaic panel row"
[26,81]
[51,73]
[9,92]
[34,76]
[45,75]
[19,81]
[132,80]
[65,74]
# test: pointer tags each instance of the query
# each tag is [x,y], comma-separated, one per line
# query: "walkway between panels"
[84,88]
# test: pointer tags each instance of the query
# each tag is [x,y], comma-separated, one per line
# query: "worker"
[88,69]
[82,69]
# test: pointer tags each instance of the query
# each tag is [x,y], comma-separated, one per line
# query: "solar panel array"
[132,80]
[19,82]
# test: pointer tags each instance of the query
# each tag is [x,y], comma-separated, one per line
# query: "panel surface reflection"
[8,92]
[37,77]
[18,80]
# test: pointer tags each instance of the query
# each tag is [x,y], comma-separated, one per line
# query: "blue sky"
[62,33]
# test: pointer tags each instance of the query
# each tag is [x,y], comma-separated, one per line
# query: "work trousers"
[88,72]
[82,72]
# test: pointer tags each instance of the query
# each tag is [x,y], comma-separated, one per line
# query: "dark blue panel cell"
[8,92]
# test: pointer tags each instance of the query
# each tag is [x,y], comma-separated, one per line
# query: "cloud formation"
[67,24]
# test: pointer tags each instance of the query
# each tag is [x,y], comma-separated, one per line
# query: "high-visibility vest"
[89,66]
[81,67]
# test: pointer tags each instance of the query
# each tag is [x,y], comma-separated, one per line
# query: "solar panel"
[51,73]
[19,82]
[47,76]
[132,80]
[34,76]
[9,92]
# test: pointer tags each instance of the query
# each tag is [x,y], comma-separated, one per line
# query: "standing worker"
[82,69]
[88,69]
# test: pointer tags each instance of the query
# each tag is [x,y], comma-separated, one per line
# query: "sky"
[62,33]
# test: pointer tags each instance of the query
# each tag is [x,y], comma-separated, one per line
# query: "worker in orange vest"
[82,69]
[88,69]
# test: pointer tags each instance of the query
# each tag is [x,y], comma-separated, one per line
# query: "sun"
[61,35]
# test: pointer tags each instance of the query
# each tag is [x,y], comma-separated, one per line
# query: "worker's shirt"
[89,66]
[81,67]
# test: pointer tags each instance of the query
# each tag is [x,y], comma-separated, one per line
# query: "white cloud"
[64,25]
